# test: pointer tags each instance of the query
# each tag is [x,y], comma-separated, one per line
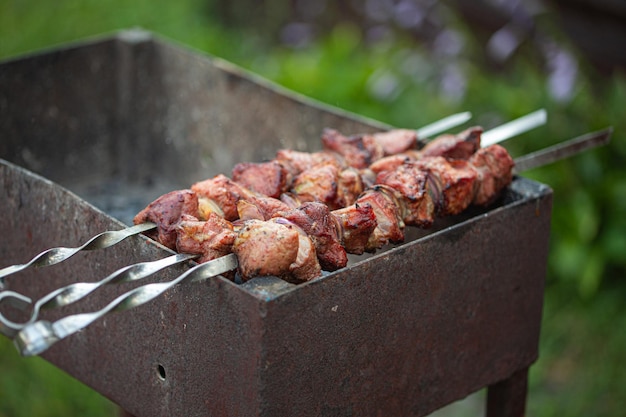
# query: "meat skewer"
[37,337]
[55,255]
[381,210]
[371,151]
[291,242]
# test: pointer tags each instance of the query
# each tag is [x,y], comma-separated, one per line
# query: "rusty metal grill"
[92,132]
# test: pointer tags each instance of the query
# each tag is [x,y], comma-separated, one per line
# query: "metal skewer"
[443,125]
[514,128]
[563,150]
[74,292]
[16,300]
[56,255]
[38,336]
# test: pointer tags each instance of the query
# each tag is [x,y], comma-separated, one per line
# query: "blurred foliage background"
[407,63]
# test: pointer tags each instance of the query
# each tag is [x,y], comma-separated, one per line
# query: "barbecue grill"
[92,132]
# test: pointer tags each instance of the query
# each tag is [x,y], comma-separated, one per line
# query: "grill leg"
[508,398]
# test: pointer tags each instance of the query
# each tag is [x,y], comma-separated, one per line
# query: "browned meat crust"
[460,146]
[166,211]
[495,169]
[453,183]
[410,184]
[224,192]
[355,224]
[297,162]
[316,220]
[396,141]
[389,224]
[276,247]
[212,238]
[268,178]
[358,151]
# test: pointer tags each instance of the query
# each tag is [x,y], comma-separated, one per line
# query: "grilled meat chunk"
[316,220]
[268,178]
[410,185]
[260,208]
[389,223]
[222,192]
[392,162]
[494,166]
[318,183]
[296,162]
[167,211]
[275,247]
[358,151]
[328,184]
[459,146]
[452,183]
[396,141]
[355,224]
[212,238]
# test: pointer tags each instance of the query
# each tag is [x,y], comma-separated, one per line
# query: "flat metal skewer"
[513,128]
[563,150]
[71,293]
[443,125]
[38,336]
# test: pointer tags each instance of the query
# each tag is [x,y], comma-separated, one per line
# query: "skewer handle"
[71,293]
[38,336]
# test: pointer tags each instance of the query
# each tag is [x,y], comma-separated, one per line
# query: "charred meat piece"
[316,220]
[495,171]
[268,178]
[389,223]
[276,247]
[359,151]
[410,184]
[222,192]
[452,183]
[167,211]
[212,238]
[460,146]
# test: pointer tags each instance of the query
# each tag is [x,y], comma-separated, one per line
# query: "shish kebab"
[109,238]
[296,238]
[37,336]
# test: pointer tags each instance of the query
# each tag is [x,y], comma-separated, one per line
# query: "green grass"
[34,387]
[579,372]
